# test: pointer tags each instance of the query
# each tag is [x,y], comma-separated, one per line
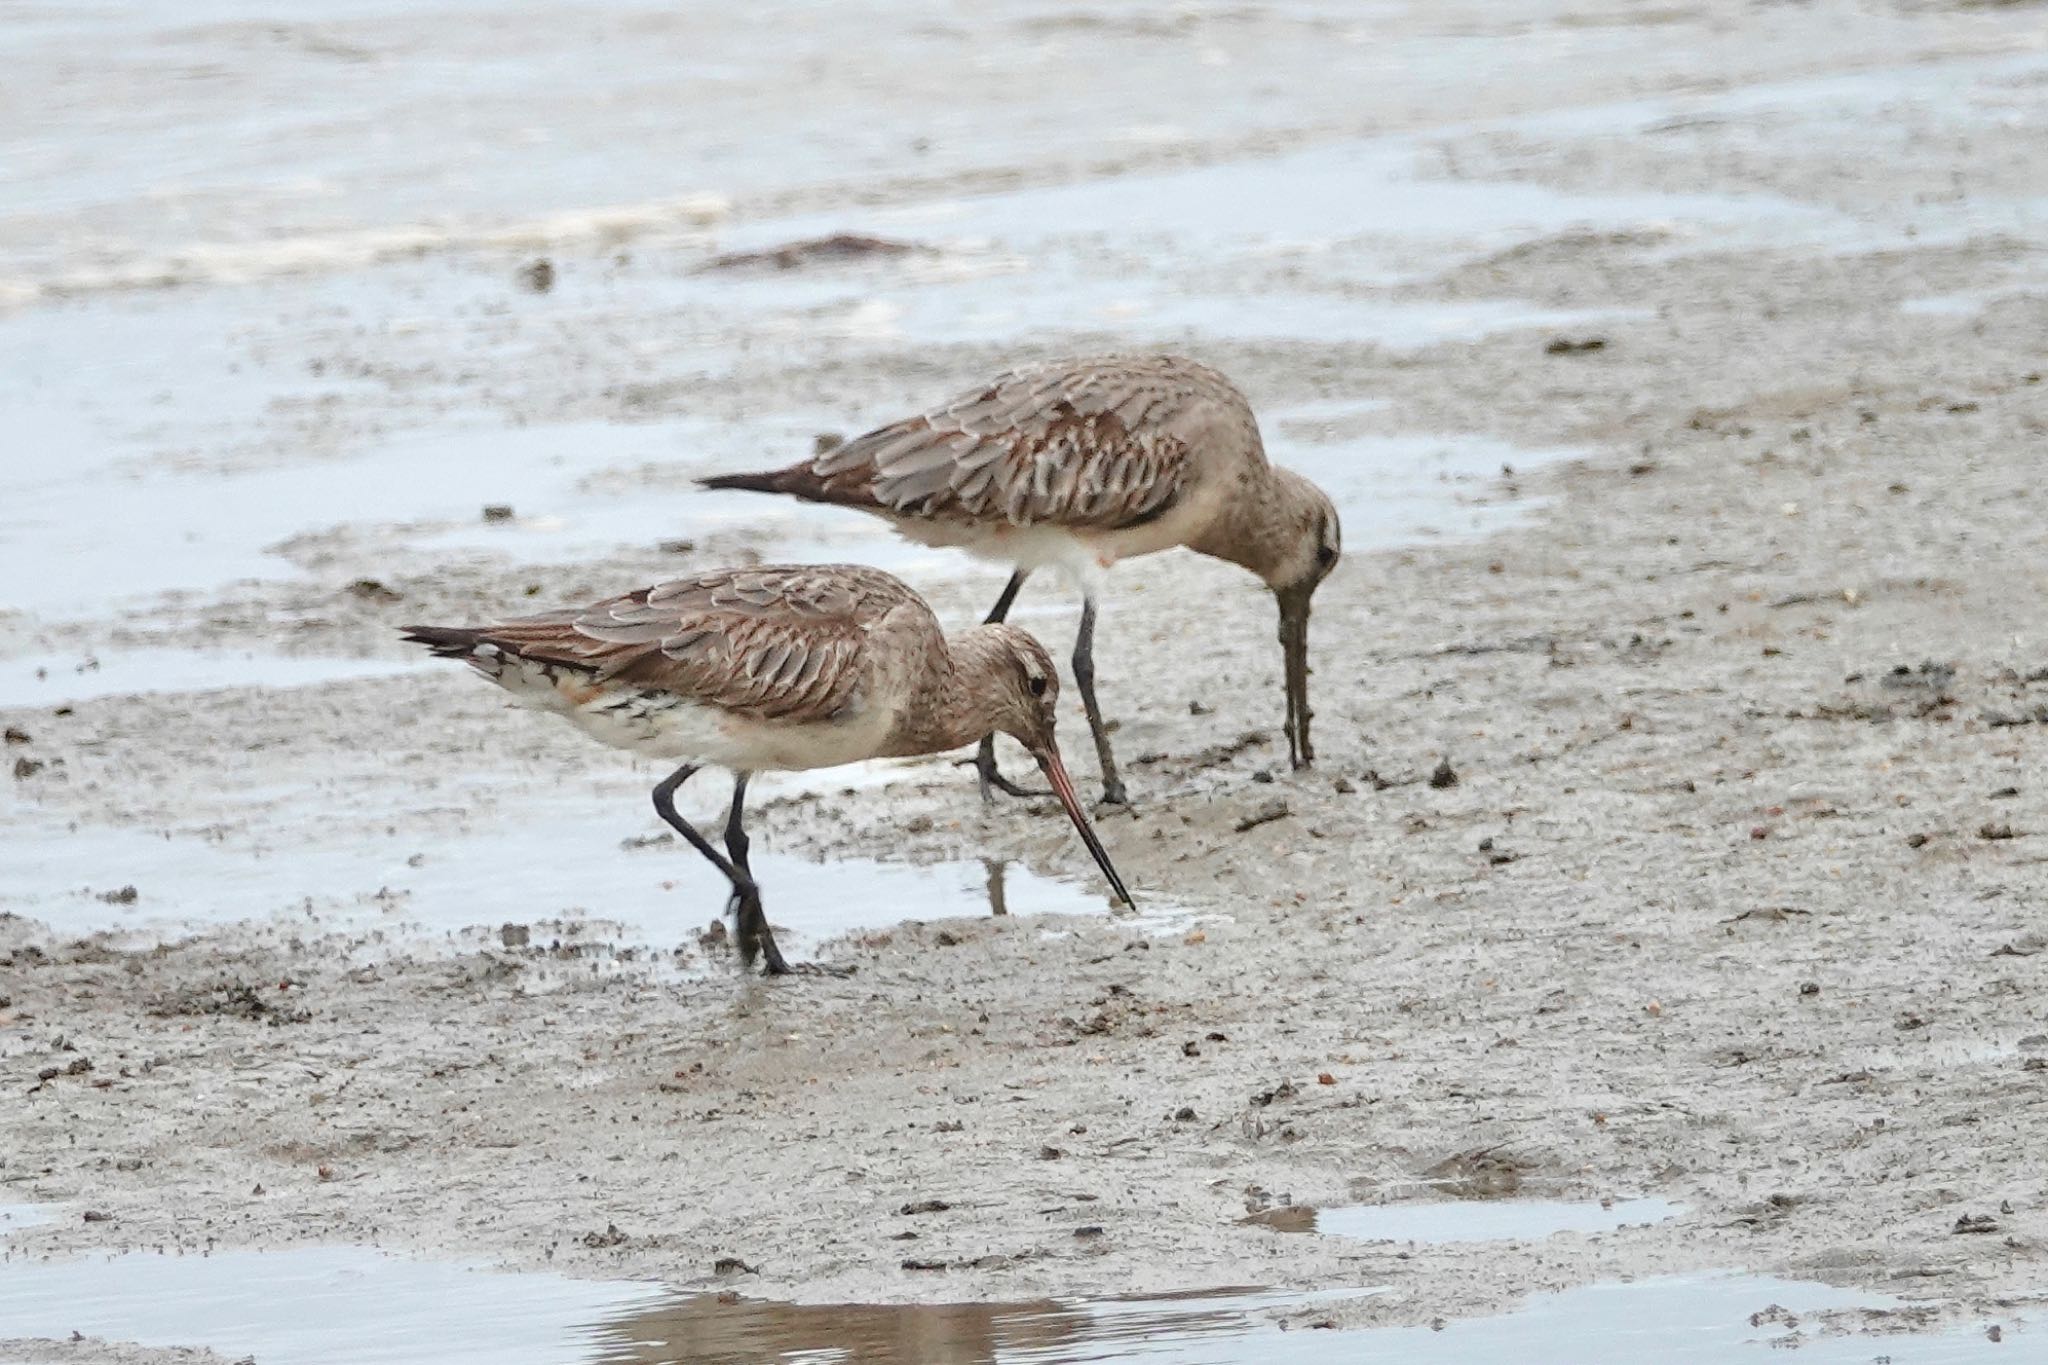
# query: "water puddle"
[1369,190]
[1060,294]
[1967,304]
[317,1306]
[1953,96]
[1483,1220]
[1391,489]
[587,868]
[209,182]
[580,489]
[322,1305]
[1207,1326]
[56,679]
[1212,252]
[14,1217]
[1677,1320]
[575,489]
[95,392]
[212,429]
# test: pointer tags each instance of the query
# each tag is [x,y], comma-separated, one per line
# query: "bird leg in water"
[746,913]
[988,776]
[1084,679]
[750,921]
[743,914]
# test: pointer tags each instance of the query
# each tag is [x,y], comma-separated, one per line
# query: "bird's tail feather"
[448,642]
[761,481]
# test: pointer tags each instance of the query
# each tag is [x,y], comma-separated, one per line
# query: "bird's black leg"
[1009,598]
[750,921]
[1084,678]
[736,841]
[989,777]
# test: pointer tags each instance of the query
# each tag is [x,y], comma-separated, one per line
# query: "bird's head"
[1025,706]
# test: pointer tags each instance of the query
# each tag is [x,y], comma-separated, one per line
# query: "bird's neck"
[1255,528]
[950,710]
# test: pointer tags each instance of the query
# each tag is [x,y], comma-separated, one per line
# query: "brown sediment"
[1819,1039]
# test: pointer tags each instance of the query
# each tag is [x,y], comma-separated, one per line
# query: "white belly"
[665,726]
[688,732]
[1084,555]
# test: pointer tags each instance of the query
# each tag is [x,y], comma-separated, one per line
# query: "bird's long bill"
[1063,787]
[1294,659]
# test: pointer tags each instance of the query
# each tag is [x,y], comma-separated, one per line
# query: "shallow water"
[1392,489]
[583,866]
[1011,292]
[354,1306]
[1967,304]
[316,1306]
[57,679]
[1677,1320]
[208,494]
[327,132]
[1487,1220]
[14,1217]
[212,427]
[1375,190]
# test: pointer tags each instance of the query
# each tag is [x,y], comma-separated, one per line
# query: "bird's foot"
[1115,800]
[756,940]
[752,934]
[990,778]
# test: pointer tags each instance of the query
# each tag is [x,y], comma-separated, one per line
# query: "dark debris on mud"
[836,248]
[230,1000]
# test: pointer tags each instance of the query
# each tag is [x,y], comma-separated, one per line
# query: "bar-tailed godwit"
[781,668]
[1076,464]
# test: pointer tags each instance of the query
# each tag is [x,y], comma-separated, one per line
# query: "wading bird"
[779,668]
[1074,465]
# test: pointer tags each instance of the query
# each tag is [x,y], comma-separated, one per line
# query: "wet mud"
[1676,834]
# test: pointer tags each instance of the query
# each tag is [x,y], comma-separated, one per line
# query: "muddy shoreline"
[1674,811]
[1729,894]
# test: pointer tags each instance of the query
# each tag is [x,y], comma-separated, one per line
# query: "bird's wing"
[777,643]
[1097,444]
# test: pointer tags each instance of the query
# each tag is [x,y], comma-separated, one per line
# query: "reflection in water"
[578,850]
[724,1329]
[325,1305]
[1690,1320]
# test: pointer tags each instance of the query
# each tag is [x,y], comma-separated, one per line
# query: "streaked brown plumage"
[783,667]
[775,644]
[1077,464]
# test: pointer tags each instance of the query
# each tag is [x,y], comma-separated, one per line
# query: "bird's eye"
[1036,683]
[1326,555]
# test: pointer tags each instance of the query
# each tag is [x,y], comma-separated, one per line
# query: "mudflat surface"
[1677,830]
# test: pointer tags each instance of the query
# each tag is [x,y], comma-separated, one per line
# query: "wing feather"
[776,643]
[1096,444]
